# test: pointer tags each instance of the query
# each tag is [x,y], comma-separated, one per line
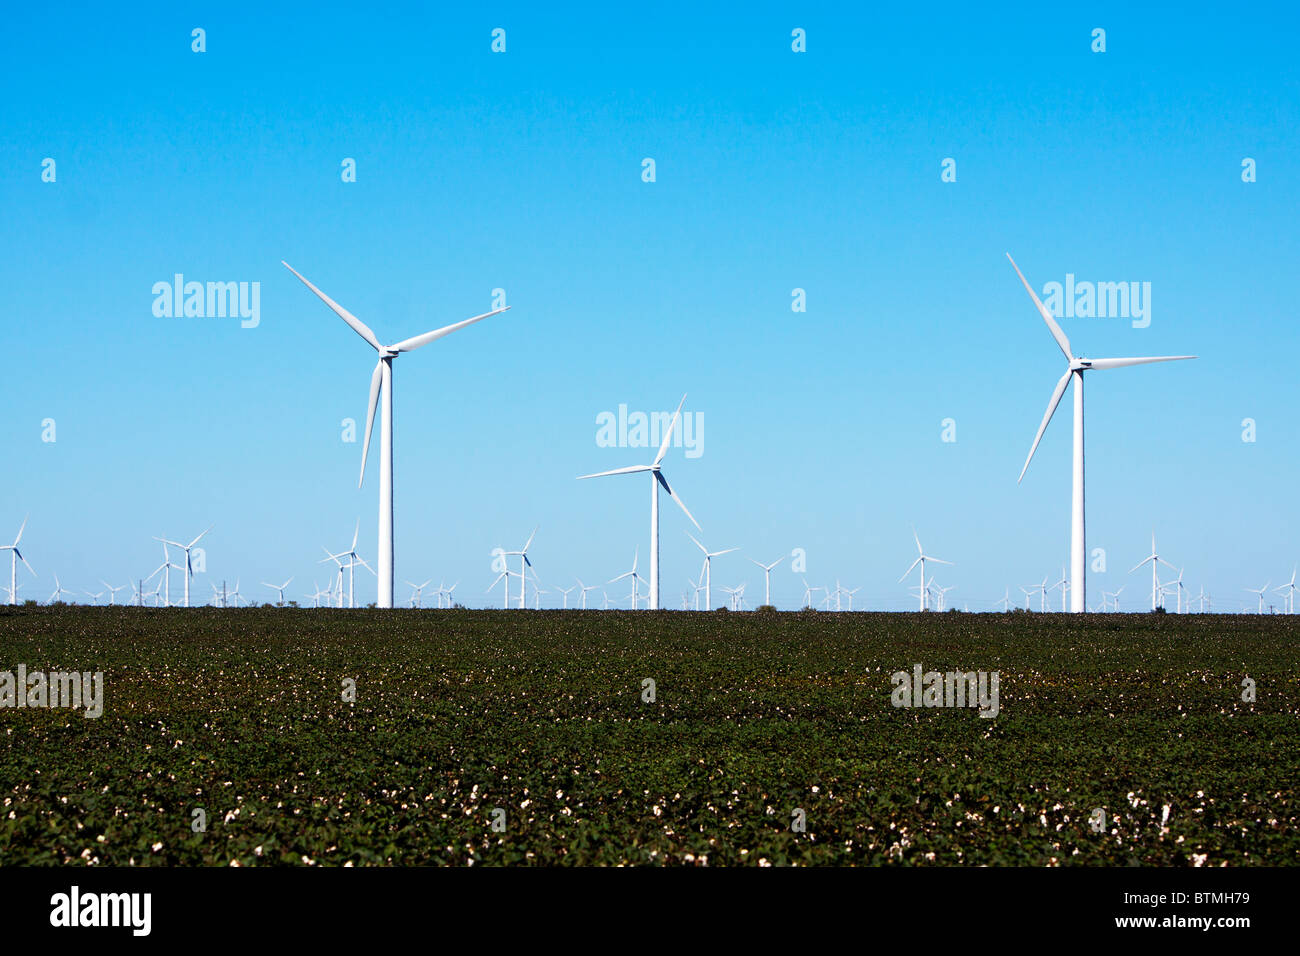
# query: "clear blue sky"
[775,170]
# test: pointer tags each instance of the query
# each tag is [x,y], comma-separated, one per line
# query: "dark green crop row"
[1120,739]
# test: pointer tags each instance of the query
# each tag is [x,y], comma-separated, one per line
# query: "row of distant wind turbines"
[381,385]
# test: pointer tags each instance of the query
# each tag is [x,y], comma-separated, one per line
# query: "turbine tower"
[382,379]
[1074,371]
[524,565]
[657,480]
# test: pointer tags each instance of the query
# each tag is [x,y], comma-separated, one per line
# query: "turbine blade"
[1052,402]
[1140,563]
[196,540]
[413,343]
[698,545]
[1122,362]
[21,528]
[357,325]
[668,435]
[910,568]
[671,494]
[618,471]
[375,381]
[1052,327]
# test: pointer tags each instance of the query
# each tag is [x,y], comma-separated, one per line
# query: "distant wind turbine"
[1289,590]
[1155,559]
[14,557]
[921,558]
[278,587]
[189,567]
[657,480]
[708,569]
[767,577]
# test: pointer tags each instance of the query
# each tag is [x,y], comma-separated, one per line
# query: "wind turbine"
[503,576]
[1261,592]
[636,593]
[1064,585]
[112,591]
[418,590]
[1074,371]
[734,593]
[449,594]
[382,379]
[943,594]
[584,589]
[1177,585]
[524,565]
[565,592]
[1289,589]
[166,569]
[657,479]
[353,560]
[850,592]
[708,569]
[278,587]
[1155,559]
[1006,600]
[189,568]
[94,596]
[14,557]
[767,577]
[808,590]
[59,591]
[921,558]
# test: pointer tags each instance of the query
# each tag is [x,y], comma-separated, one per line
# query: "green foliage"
[240,712]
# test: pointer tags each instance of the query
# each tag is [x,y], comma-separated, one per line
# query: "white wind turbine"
[1064,585]
[166,569]
[943,595]
[353,560]
[1289,590]
[278,587]
[503,576]
[657,479]
[852,591]
[708,569]
[417,590]
[59,591]
[565,592]
[636,591]
[1155,559]
[14,557]
[808,590]
[524,565]
[584,588]
[382,379]
[94,596]
[112,591]
[1074,371]
[767,577]
[1261,592]
[1177,586]
[1006,600]
[189,567]
[921,558]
